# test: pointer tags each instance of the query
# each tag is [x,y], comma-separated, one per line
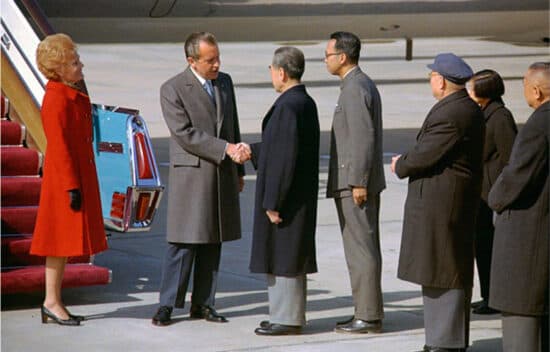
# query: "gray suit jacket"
[356,138]
[203,187]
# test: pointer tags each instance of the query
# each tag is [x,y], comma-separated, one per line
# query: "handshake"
[239,153]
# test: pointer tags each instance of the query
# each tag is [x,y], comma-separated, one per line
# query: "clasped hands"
[239,153]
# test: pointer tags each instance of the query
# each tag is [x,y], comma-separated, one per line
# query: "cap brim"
[431,67]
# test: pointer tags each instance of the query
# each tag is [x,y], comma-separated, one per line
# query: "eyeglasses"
[327,55]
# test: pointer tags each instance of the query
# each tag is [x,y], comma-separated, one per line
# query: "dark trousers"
[484,247]
[180,259]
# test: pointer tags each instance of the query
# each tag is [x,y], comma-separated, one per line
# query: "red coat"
[69,164]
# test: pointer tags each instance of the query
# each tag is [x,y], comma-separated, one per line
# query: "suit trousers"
[484,247]
[361,238]
[180,259]
[524,333]
[447,316]
[287,299]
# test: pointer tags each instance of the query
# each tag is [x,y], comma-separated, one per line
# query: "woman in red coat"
[69,221]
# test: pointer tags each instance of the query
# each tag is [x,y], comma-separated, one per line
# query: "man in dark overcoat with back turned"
[521,196]
[285,212]
[445,173]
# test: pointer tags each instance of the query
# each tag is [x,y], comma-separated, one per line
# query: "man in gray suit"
[356,179]
[204,183]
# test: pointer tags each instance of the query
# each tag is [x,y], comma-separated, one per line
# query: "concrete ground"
[119,314]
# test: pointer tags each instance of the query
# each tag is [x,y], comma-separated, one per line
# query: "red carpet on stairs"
[20,190]
[20,185]
[12,133]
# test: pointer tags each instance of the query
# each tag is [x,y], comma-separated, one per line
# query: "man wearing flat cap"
[445,172]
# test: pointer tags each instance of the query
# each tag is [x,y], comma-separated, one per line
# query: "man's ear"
[537,92]
[190,61]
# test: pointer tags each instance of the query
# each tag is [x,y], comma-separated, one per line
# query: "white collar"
[201,79]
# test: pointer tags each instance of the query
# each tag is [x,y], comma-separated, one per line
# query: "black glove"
[75,199]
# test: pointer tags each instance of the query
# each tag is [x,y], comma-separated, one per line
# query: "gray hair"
[540,75]
[291,60]
[193,41]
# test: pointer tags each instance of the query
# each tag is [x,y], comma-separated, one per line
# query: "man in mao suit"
[520,196]
[204,183]
[285,211]
[356,179]
[445,173]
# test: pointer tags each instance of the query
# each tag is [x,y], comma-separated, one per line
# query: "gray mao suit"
[203,187]
[356,161]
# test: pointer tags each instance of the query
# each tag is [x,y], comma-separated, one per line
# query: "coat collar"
[351,75]
[490,108]
[66,90]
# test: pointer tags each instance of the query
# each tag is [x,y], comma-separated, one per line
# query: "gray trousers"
[447,316]
[287,299]
[523,333]
[361,238]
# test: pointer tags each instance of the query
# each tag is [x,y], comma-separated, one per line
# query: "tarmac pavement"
[119,314]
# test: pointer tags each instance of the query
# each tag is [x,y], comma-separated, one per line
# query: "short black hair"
[347,43]
[291,60]
[488,84]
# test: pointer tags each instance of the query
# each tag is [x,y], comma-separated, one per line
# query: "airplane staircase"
[22,145]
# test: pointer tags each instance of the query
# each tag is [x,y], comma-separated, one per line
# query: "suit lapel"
[198,91]
[220,93]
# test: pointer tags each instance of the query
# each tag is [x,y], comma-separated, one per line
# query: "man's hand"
[239,153]
[359,195]
[394,161]
[274,216]
[75,199]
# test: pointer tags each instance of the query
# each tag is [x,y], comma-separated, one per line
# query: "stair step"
[20,161]
[18,220]
[31,279]
[15,252]
[12,133]
[18,191]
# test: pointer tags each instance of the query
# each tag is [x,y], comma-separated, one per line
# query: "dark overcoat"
[520,196]
[203,184]
[445,171]
[500,133]
[287,161]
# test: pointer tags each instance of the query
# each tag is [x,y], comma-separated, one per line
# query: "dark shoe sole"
[160,323]
[359,331]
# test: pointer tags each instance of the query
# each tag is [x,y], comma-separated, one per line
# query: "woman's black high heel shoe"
[45,313]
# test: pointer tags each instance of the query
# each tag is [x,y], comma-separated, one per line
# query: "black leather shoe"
[206,313]
[278,330]
[264,324]
[162,318]
[484,308]
[358,326]
[345,322]
[477,304]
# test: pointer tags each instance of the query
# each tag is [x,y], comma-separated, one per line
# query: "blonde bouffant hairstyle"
[52,53]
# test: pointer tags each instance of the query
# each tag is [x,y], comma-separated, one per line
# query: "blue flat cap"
[452,67]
